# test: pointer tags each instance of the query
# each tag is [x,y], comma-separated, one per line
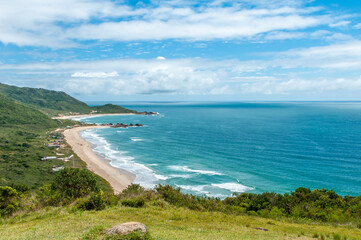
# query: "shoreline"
[92,115]
[119,179]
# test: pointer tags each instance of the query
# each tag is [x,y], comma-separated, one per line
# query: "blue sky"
[247,50]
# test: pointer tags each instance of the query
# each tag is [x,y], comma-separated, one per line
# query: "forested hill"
[53,102]
[14,114]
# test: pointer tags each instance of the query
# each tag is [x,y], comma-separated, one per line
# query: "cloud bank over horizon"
[239,50]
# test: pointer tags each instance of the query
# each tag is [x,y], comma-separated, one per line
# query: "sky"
[180,50]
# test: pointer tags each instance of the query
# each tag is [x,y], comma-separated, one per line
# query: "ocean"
[217,149]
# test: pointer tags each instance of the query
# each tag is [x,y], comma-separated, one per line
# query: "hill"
[54,102]
[13,114]
[22,137]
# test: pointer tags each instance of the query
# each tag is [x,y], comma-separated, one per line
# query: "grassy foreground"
[167,222]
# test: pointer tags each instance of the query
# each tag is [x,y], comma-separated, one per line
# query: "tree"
[75,183]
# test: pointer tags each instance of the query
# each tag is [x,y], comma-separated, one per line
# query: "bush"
[132,190]
[20,188]
[48,197]
[9,201]
[134,202]
[75,183]
[95,201]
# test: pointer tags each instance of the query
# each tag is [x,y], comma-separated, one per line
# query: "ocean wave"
[136,139]
[202,190]
[233,187]
[145,176]
[187,169]
[197,188]
[180,176]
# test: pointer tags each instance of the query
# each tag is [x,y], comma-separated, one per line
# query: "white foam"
[197,189]
[136,139]
[233,187]
[152,164]
[187,169]
[161,177]
[145,176]
[201,189]
[180,176]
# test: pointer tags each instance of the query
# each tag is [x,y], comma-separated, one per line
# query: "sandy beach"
[91,115]
[119,179]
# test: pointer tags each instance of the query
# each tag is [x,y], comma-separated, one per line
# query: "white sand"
[119,179]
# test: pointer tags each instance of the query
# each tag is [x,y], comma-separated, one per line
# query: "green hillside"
[111,108]
[53,102]
[13,114]
[23,132]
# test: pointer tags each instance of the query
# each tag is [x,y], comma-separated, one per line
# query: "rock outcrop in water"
[122,125]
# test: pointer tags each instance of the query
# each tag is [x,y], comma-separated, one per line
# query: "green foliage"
[48,101]
[20,187]
[175,197]
[111,108]
[133,202]
[95,201]
[17,114]
[74,183]
[9,200]
[48,197]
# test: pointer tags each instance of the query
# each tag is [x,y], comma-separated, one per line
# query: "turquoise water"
[220,148]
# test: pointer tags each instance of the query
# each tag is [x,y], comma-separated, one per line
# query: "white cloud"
[282,73]
[339,24]
[95,74]
[62,23]
[133,76]
[302,85]
[357,26]
[346,55]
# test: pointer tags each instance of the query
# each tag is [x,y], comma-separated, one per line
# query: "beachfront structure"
[48,158]
[57,168]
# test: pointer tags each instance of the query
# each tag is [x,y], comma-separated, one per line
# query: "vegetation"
[47,101]
[168,214]
[24,133]
[16,114]
[53,103]
[111,108]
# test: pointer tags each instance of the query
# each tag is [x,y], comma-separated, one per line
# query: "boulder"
[125,228]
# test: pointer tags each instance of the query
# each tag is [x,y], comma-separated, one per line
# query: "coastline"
[92,115]
[119,179]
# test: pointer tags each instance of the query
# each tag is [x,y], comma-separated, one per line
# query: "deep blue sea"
[220,148]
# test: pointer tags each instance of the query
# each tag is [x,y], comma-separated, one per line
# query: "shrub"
[9,200]
[75,183]
[95,201]
[48,197]
[133,202]
[132,190]
[20,188]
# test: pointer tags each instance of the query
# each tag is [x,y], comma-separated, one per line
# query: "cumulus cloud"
[63,23]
